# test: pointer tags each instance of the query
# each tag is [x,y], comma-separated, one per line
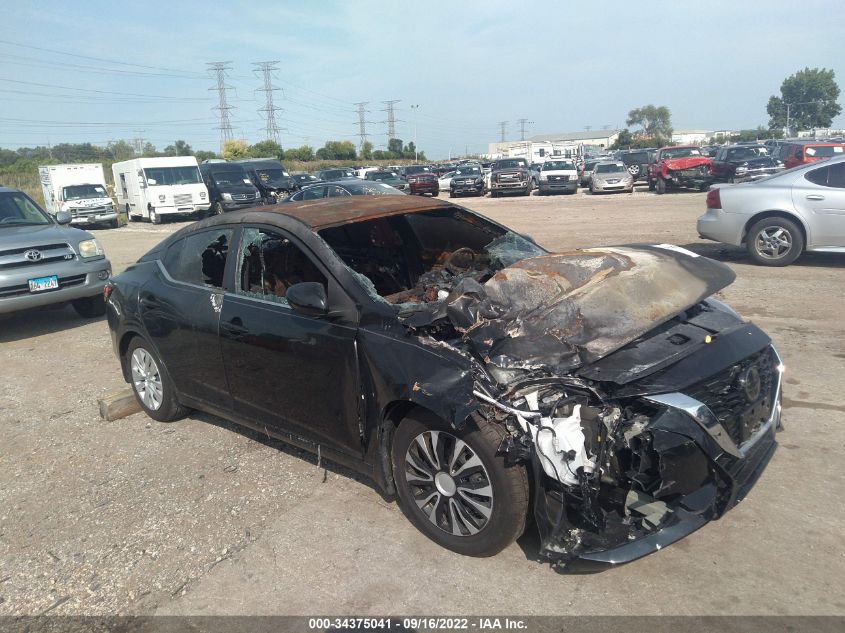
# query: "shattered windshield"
[420,257]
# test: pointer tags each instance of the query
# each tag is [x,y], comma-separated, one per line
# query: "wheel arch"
[123,347]
[776,213]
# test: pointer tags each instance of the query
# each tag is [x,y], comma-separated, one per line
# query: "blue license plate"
[43,283]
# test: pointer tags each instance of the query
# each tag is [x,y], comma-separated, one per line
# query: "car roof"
[321,214]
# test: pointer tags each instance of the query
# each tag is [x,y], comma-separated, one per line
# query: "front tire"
[155,218]
[151,384]
[774,241]
[454,488]
[660,187]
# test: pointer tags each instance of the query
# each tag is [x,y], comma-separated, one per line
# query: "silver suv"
[43,262]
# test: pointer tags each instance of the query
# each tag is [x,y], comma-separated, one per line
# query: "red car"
[421,180]
[801,154]
[680,166]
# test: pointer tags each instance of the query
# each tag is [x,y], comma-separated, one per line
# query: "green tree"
[394,148]
[120,150]
[179,148]
[381,154]
[148,150]
[305,154]
[266,149]
[366,152]
[624,140]
[202,155]
[810,95]
[337,150]
[235,149]
[655,121]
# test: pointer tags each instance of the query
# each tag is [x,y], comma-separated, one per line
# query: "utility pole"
[414,109]
[362,125]
[502,127]
[271,129]
[391,119]
[138,141]
[222,107]
[522,123]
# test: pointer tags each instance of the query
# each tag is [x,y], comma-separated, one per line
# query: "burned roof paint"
[321,214]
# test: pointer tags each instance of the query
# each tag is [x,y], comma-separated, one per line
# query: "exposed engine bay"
[637,399]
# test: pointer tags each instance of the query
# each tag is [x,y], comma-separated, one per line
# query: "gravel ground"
[201,517]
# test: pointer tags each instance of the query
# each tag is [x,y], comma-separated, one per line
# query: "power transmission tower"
[223,106]
[391,118]
[502,127]
[138,141]
[362,124]
[269,110]
[522,123]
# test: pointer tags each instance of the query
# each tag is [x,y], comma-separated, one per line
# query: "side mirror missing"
[63,217]
[308,297]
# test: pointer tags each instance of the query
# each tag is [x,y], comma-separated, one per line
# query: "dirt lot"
[199,517]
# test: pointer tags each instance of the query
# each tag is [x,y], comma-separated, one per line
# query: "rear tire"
[774,241]
[90,307]
[436,492]
[151,383]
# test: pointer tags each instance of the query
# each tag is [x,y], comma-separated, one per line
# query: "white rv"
[151,188]
[80,190]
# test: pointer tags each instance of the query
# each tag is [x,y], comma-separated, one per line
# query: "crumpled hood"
[688,162]
[559,312]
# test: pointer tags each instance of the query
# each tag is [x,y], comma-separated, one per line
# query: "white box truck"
[79,189]
[151,188]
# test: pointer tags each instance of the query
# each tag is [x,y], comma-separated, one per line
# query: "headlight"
[227,196]
[202,195]
[90,248]
[741,170]
[544,177]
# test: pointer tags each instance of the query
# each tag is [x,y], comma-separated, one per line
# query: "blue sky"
[467,64]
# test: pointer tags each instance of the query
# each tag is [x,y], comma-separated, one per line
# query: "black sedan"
[344,188]
[454,361]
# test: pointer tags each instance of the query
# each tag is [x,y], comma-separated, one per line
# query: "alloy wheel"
[146,379]
[773,242]
[449,483]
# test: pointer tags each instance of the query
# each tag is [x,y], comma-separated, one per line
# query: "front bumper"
[694,473]
[599,185]
[476,188]
[417,188]
[234,205]
[516,185]
[94,218]
[549,186]
[77,280]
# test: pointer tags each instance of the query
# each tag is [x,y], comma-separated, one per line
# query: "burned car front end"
[644,407]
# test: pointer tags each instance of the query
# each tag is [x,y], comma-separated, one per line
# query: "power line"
[502,127]
[223,106]
[104,92]
[269,110]
[391,118]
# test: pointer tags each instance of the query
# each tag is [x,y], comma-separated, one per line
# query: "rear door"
[820,196]
[180,309]
[292,372]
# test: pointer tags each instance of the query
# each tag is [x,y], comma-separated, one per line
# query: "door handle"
[815,196]
[235,327]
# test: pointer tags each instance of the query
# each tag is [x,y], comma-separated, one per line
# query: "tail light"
[714,199]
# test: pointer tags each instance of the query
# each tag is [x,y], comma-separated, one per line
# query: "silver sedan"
[611,176]
[779,217]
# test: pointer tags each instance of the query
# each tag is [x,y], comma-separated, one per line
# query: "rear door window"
[200,259]
[829,176]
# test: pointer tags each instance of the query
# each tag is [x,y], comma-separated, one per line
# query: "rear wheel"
[774,242]
[90,307]
[455,489]
[151,383]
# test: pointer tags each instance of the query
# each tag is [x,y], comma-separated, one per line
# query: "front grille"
[88,211]
[692,173]
[730,394]
[241,196]
[23,289]
[182,198]
[15,258]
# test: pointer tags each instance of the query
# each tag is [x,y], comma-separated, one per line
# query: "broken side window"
[269,263]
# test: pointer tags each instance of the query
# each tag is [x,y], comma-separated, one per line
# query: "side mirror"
[308,297]
[63,217]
